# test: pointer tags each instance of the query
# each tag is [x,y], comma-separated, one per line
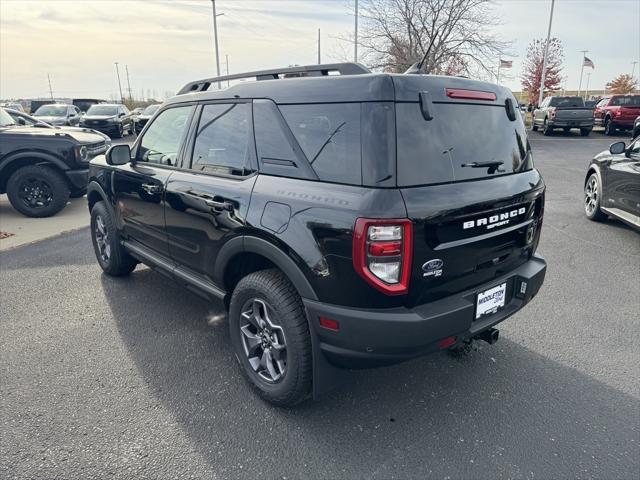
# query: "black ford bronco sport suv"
[40,168]
[346,219]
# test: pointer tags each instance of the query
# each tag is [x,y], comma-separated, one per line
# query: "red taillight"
[329,323]
[470,94]
[385,249]
[552,112]
[382,251]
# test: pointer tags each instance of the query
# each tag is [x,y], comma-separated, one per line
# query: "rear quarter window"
[329,135]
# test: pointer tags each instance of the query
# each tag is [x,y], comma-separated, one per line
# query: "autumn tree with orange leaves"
[621,84]
[533,68]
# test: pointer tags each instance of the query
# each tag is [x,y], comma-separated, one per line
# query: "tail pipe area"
[490,336]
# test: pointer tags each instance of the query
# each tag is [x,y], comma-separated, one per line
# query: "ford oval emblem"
[432,268]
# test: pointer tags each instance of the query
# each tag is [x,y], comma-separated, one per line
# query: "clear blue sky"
[167,43]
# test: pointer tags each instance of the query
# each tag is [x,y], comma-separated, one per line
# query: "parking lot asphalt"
[135,378]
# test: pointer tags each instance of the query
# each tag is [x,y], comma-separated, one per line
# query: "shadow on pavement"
[498,412]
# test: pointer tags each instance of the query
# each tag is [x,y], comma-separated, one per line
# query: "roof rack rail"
[348,68]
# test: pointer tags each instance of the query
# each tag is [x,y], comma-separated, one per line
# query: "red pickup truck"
[616,112]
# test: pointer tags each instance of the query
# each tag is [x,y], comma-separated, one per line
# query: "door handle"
[219,205]
[151,189]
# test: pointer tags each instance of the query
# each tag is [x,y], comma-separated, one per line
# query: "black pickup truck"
[40,168]
[565,113]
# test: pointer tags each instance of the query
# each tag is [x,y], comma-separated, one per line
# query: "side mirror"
[121,114]
[617,148]
[118,155]
[20,121]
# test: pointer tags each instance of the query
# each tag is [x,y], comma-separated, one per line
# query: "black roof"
[354,86]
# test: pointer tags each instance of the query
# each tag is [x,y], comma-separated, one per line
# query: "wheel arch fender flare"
[94,188]
[38,156]
[595,168]
[259,246]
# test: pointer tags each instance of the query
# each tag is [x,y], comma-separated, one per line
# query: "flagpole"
[584,52]
[498,76]
[544,58]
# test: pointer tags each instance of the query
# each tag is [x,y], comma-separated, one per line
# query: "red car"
[616,112]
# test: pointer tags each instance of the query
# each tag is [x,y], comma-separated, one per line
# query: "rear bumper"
[368,338]
[571,123]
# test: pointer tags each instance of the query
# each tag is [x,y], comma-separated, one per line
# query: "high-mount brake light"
[460,93]
[382,252]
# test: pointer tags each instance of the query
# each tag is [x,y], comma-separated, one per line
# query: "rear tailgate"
[469,233]
[466,174]
[573,114]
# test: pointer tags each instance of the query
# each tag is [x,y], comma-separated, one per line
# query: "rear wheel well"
[242,265]
[18,164]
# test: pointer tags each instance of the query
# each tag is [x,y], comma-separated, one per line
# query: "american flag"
[506,63]
[587,63]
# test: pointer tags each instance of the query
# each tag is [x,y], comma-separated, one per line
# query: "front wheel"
[609,129]
[112,257]
[592,193]
[270,336]
[119,131]
[37,191]
[585,132]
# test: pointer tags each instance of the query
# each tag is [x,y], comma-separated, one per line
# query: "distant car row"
[614,112]
[114,120]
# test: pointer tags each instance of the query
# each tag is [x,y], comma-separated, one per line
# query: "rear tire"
[592,194]
[37,191]
[585,132]
[546,130]
[270,336]
[119,131]
[111,255]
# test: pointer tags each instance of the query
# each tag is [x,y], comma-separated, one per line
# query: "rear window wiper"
[492,166]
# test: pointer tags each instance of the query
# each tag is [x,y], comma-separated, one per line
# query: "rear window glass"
[567,102]
[329,135]
[459,134]
[626,101]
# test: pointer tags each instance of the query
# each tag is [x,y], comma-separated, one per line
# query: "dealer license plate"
[490,301]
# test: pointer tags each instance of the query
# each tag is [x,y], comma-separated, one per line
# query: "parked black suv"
[112,119]
[41,167]
[347,219]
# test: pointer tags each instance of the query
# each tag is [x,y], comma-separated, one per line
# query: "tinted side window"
[163,138]
[329,135]
[223,139]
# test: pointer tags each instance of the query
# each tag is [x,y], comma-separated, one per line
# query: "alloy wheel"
[35,193]
[263,340]
[591,196]
[102,239]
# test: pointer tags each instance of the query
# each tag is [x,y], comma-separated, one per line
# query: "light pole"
[215,38]
[126,67]
[544,59]
[355,37]
[119,84]
[319,62]
[50,89]
[226,57]
[633,69]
